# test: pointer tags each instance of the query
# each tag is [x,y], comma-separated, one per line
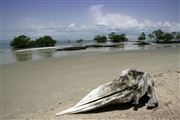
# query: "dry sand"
[39,89]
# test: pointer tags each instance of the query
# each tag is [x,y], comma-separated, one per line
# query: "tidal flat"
[39,89]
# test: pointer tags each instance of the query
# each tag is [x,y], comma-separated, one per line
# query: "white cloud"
[97,14]
[120,21]
[103,23]
[112,19]
[72,25]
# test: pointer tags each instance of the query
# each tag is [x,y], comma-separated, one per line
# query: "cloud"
[121,21]
[33,23]
[116,20]
[72,25]
[36,27]
[103,23]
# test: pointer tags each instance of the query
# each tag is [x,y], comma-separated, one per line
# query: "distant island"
[157,36]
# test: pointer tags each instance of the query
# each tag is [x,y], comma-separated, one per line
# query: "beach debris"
[132,85]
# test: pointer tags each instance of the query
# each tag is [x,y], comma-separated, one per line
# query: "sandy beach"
[39,89]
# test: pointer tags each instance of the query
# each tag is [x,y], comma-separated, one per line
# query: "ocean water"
[12,56]
[7,55]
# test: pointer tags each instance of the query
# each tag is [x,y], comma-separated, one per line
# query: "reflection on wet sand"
[27,55]
[33,55]
[45,53]
[119,47]
[23,56]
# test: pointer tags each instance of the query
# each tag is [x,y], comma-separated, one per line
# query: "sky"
[83,19]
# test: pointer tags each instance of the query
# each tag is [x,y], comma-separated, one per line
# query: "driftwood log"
[131,85]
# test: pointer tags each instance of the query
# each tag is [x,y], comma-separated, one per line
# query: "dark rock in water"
[98,46]
[167,42]
[131,86]
[72,48]
[94,46]
[85,47]
[142,43]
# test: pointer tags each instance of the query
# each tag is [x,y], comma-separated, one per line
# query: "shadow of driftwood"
[121,106]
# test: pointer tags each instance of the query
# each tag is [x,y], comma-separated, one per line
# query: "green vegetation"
[24,41]
[178,36]
[100,39]
[117,38]
[45,41]
[158,34]
[165,37]
[32,44]
[21,41]
[142,36]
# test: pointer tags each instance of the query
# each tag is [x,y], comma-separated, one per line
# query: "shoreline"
[93,45]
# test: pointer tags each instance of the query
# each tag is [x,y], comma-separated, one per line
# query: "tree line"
[160,36]
[24,41]
[157,35]
[114,37]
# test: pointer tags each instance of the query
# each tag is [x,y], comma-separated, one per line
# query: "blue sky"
[75,19]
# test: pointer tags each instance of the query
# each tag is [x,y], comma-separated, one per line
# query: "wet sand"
[39,89]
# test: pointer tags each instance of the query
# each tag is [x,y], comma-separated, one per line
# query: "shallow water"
[11,56]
